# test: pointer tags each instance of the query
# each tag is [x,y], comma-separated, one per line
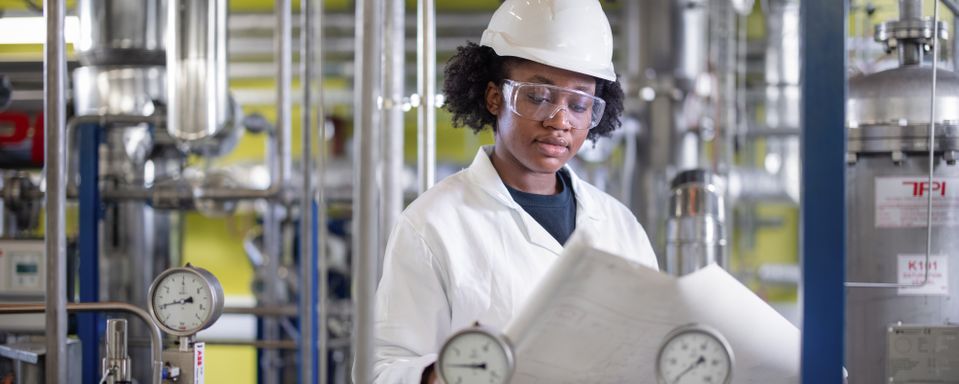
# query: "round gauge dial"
[694,354]
[476,355]
[185,300]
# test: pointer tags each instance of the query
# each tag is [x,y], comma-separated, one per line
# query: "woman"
[474,246]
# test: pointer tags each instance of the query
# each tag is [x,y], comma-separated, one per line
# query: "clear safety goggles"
[540,102]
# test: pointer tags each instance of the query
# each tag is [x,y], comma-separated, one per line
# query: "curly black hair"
[473,66]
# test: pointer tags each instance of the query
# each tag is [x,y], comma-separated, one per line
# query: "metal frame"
[823,234]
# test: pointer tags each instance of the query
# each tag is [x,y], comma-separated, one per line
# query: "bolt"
[898,157]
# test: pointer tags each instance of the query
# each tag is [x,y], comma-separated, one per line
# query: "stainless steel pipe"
[55,73]
[426,87]
[156,339]
[365,214]
[308,332]
[393,83]
[323,283]
[287,310]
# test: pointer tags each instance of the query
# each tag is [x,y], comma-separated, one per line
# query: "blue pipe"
[89,325]
[823,220]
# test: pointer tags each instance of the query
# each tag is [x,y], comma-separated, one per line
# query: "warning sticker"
[901,201]
[199,350]
[912,270]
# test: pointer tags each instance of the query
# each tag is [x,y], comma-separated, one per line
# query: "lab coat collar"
[484,176]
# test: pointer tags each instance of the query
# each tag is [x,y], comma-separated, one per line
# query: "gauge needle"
[188,300]
[691,366]
[471,366]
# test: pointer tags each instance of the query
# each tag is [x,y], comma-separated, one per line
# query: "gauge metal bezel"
[499,338]
[700,329]
[210,282]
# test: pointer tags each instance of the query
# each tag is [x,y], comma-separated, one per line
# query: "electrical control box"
[22,269]
[23,278]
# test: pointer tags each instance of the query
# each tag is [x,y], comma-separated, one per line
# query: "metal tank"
[695,234]
[896,330]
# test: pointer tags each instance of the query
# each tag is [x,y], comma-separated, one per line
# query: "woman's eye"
[578,108]
[537,97]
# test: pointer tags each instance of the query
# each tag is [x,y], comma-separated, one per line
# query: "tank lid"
[901,96]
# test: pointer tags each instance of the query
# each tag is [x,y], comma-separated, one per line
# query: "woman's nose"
[558,120]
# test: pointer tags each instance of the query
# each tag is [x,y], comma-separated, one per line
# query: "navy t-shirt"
[556,213]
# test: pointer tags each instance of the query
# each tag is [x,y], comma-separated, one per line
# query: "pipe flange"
[908,138]
[921,31]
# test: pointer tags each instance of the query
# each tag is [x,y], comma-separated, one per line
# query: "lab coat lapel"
[484,176]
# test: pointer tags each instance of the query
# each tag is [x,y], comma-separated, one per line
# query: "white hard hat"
[568,34]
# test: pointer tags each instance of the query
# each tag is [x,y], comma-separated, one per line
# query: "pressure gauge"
[476,355]
[185,300]
[694,354]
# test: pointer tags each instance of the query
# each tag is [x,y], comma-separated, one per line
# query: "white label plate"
[911,271]
[901,202]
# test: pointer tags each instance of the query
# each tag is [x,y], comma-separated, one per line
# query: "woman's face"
[536,146]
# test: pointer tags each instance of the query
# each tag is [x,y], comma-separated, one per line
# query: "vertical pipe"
[955,42]
[426,87]
[633,24]
[393,83]
[307,227]
[284,51]
[319,249]
[54,105]
[365,232]
[823,234]
[89,246]
[280,172]
[197,104]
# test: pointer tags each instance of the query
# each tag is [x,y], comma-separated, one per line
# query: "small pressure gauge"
[476,355]
[185,300]
[694,354]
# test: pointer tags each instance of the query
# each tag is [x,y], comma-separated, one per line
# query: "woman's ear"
[494,98]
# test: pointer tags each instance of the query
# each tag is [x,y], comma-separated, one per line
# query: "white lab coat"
[464,251]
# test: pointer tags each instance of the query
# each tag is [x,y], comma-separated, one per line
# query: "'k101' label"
[901,201]
[912,271]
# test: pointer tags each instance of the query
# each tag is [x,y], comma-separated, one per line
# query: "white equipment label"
[198,352]
[901,201]
[912,270]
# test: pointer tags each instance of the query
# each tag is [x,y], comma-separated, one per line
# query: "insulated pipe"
[426,87]
[393,128]
[365,194]
[307,233]
[156,343]
[197,102]
[55,71]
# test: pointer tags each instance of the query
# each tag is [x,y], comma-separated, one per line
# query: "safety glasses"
[539,102]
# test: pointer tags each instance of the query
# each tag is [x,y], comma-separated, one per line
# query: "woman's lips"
[552,146]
